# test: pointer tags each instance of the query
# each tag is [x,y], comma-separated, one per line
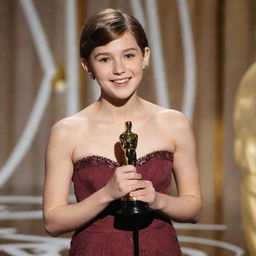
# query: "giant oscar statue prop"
[245,152]
[128,141]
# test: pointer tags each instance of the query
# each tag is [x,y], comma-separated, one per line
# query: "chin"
[119,99]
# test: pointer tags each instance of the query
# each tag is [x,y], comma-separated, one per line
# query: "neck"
[119,110]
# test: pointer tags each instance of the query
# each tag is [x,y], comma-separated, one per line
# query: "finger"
[131,175]
[142,187]
[140,184]
[123,171]
[145,195]
[143,184]
[139,192]
[129,186]
[133,184]
[126,168]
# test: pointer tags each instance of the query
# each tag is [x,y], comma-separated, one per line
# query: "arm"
[59,216]
[186,207]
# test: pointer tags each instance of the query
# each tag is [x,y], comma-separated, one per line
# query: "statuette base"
[133,207]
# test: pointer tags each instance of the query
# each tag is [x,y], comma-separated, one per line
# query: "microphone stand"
[135,233]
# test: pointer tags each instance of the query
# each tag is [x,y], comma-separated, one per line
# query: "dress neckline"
[102,160]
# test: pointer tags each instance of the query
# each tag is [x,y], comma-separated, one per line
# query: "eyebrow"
[107,53]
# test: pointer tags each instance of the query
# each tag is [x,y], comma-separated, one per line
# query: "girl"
[114,51]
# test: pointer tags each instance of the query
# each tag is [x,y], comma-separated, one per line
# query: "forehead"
[125,41]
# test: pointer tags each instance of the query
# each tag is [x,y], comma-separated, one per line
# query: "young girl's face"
[118,66]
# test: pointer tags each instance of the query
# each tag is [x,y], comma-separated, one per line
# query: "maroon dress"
[102,236]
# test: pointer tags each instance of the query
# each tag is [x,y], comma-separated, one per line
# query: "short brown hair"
[106,26]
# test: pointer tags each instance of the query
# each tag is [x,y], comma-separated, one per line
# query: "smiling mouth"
[121,82]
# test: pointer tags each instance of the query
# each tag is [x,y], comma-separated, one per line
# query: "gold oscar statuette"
[128,141]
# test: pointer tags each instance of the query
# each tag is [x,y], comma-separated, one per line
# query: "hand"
[146,193]
[124,180]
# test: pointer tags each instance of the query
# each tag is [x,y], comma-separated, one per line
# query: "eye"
[104,59]
[129,56]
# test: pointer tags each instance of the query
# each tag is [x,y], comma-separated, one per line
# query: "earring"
[145,66]
[90,75]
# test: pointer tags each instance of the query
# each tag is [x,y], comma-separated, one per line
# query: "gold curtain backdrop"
[223,33]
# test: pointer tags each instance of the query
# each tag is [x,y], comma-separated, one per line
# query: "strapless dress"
[101,237]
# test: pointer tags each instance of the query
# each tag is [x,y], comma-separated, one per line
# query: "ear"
[84,64]
[146,56]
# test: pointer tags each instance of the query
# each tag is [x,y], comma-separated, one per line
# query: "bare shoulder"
[63,139]
[169,118]
[69,128]
[63,128]
[172,119]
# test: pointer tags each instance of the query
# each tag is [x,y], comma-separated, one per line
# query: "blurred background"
[201,50]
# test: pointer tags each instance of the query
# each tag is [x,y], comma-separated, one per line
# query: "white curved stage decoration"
[154,31]
[72,63]
[43,95]
[49,68]
[189,60]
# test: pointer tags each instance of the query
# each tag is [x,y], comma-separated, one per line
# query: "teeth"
[121,81]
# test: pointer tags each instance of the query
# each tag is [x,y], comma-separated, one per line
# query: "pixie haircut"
[106,26]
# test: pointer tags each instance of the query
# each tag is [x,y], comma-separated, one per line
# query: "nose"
[118,67]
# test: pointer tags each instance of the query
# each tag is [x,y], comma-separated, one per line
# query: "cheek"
[101,72]
[137,67]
